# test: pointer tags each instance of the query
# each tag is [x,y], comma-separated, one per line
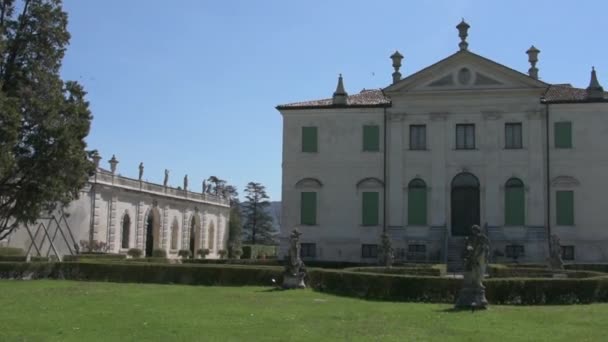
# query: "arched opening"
[126,227]
[174,233]
[465,204]
[195,228]
[152,231]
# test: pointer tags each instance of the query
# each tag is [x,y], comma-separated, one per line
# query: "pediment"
[465,70]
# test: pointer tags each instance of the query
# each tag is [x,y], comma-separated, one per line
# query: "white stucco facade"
[462,89]
[111,203]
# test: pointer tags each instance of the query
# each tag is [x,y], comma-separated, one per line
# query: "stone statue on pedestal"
[555,253]
[166,180]
[141,170]
[475,256]
[386,256]
[295,271]
[186,183]
[204,186]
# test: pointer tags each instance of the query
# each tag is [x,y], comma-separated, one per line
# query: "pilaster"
[438,146]
[394,181]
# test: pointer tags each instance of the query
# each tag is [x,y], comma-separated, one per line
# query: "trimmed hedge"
[94,256]
[588,267]
[423,271]
[11,251]
[384,286]
[13,258]
[254,262]
[144,273]
[501,271]
[434,289]
[339,282]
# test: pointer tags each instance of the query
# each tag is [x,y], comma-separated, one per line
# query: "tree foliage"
[43,120]
[258,223]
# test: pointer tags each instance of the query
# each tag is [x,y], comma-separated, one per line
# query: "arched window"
[126,227]
[416,203]
[514,203]
[174,233]
[309,189]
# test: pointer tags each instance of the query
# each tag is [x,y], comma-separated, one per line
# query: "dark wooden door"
[465,204]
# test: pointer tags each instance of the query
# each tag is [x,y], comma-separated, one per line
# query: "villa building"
[121,213]
[464,141]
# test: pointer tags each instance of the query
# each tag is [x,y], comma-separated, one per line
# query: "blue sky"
[191,85]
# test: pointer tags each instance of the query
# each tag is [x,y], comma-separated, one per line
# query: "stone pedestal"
[472,297]
[293,282]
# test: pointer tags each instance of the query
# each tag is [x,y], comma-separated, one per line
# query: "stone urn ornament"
[295,271]
[475,256]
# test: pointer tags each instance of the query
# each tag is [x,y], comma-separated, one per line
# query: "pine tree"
[258,223]
[43,120]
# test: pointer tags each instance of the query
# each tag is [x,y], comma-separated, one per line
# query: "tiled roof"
[366,98]
[559,93]
[556,93]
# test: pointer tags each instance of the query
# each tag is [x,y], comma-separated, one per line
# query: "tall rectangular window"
[465,137]
[416,203]
[371,138]
[417,137]
[309,139]
[370,208]
[369,251]
[565,208]
[513,139]
[308,208]
[563,134]
[308,250]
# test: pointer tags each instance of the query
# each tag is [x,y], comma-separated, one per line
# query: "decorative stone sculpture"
[204,186]
[166,180]
[186,183]
[113,162]
[555,253]
[295,271]
[477,249]
[386,251]
[141,170]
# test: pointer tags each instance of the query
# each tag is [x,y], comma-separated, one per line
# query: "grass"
[47,310]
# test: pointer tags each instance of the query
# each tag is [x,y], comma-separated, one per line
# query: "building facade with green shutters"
[464,141]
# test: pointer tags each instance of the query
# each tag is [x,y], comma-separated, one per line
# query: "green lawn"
[47,310]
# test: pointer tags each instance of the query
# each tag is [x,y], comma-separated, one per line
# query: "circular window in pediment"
[464,76]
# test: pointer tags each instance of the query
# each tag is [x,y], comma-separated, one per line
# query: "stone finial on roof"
[340,95]
[594,90]
[533,59]
[396,57]
[463,29]
[96,158]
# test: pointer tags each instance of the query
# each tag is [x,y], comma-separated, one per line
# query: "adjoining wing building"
[464,141]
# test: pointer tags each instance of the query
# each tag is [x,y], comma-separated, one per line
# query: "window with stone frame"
[568,252]
[308,250]
[369,251]
[513,135]
[514,251]
[417,137]
[465,136]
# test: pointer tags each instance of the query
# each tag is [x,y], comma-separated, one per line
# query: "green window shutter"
[309,139]
[308,208]
[370,208]
[565,208]
[371,138]
[514,206]
[416,207]
[563,135]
